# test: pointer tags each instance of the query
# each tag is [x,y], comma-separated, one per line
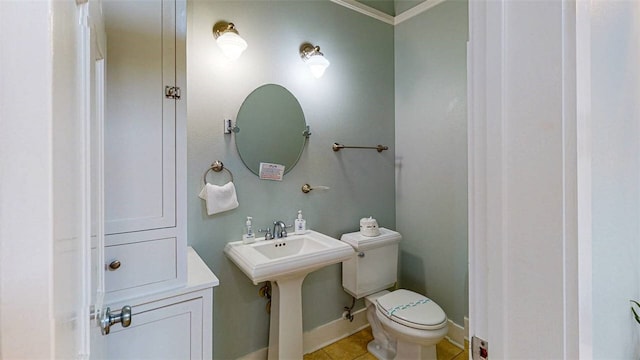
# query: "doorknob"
[108,319]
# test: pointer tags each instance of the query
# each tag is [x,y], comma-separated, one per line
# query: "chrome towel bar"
[380,148]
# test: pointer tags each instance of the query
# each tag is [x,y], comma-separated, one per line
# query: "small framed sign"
[270,171]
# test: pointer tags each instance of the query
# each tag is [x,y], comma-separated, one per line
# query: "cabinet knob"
[115,265]
[108,319]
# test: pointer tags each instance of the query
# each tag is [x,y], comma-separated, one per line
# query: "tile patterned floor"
[354,347]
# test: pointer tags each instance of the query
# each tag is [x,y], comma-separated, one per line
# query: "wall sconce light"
[315,59]
[229,41]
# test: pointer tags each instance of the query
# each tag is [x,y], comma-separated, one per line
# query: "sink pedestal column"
[285,328]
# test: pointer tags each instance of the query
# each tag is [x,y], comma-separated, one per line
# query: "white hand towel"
[219,198]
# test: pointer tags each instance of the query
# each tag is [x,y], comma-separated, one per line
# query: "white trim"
[384,17]
[84,111]
[573,201]
[457,334]
[466,328]
[583,145]
[338,329]
[366,10]
[260,354]
[333,331]
[416,10]
[323,335]
[484,68]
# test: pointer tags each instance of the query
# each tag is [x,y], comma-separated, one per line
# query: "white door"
[43,227]
[526,178]
[77,181]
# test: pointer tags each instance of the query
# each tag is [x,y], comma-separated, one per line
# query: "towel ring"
[217,166]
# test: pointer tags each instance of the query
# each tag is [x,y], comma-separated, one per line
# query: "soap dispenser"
[248,237]
[301,224]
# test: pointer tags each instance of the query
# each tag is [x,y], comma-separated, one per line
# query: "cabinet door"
[169,332]
[140,122]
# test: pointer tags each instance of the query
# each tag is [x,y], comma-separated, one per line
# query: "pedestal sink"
[285,263]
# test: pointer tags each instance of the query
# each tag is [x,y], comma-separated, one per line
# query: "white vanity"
[174,324]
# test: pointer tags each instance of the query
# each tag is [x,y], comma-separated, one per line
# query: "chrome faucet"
[279,229]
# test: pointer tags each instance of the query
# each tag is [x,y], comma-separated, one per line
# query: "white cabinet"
[147,264]
[145,147]
[141,123]
[171,325]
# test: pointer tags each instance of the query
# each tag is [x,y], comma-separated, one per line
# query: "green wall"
[352,104]
[615,175]
[431,148]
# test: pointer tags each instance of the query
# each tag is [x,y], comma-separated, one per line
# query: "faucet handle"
[284,232]
[283,225]
[267,233]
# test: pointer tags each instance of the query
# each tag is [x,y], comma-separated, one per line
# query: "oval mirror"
[271,128]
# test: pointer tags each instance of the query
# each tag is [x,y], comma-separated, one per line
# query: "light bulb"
[231,44]
[318,64]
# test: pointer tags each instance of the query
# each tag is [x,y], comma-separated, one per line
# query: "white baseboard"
[323,335]
[466,328]
[335,330]
[331,332]
[458,334]
[256,355]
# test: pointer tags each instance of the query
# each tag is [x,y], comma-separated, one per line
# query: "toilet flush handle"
[361,254]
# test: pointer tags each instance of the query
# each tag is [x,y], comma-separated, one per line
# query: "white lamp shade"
[231,44]
[318,64]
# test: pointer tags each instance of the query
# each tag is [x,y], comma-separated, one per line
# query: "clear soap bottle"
[248,237]
[300,224]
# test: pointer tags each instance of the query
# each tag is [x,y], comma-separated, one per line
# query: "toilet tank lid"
[361,242]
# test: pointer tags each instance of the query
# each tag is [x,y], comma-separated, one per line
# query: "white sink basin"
[270,260]
[285,263]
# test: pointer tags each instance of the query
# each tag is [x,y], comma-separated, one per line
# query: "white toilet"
[405,324]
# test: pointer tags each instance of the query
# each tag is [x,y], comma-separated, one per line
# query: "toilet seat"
[411,309]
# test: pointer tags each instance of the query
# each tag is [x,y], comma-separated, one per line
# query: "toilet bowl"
[405,325]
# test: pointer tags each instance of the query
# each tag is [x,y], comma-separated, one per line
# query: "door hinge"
[172,92]
[479,349]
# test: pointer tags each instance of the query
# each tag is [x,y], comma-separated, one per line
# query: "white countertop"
[198,273]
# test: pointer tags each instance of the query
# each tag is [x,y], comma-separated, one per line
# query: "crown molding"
[366,10]
[416,10]
[384,17]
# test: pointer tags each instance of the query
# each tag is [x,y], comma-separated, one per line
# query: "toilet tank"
[374,266]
